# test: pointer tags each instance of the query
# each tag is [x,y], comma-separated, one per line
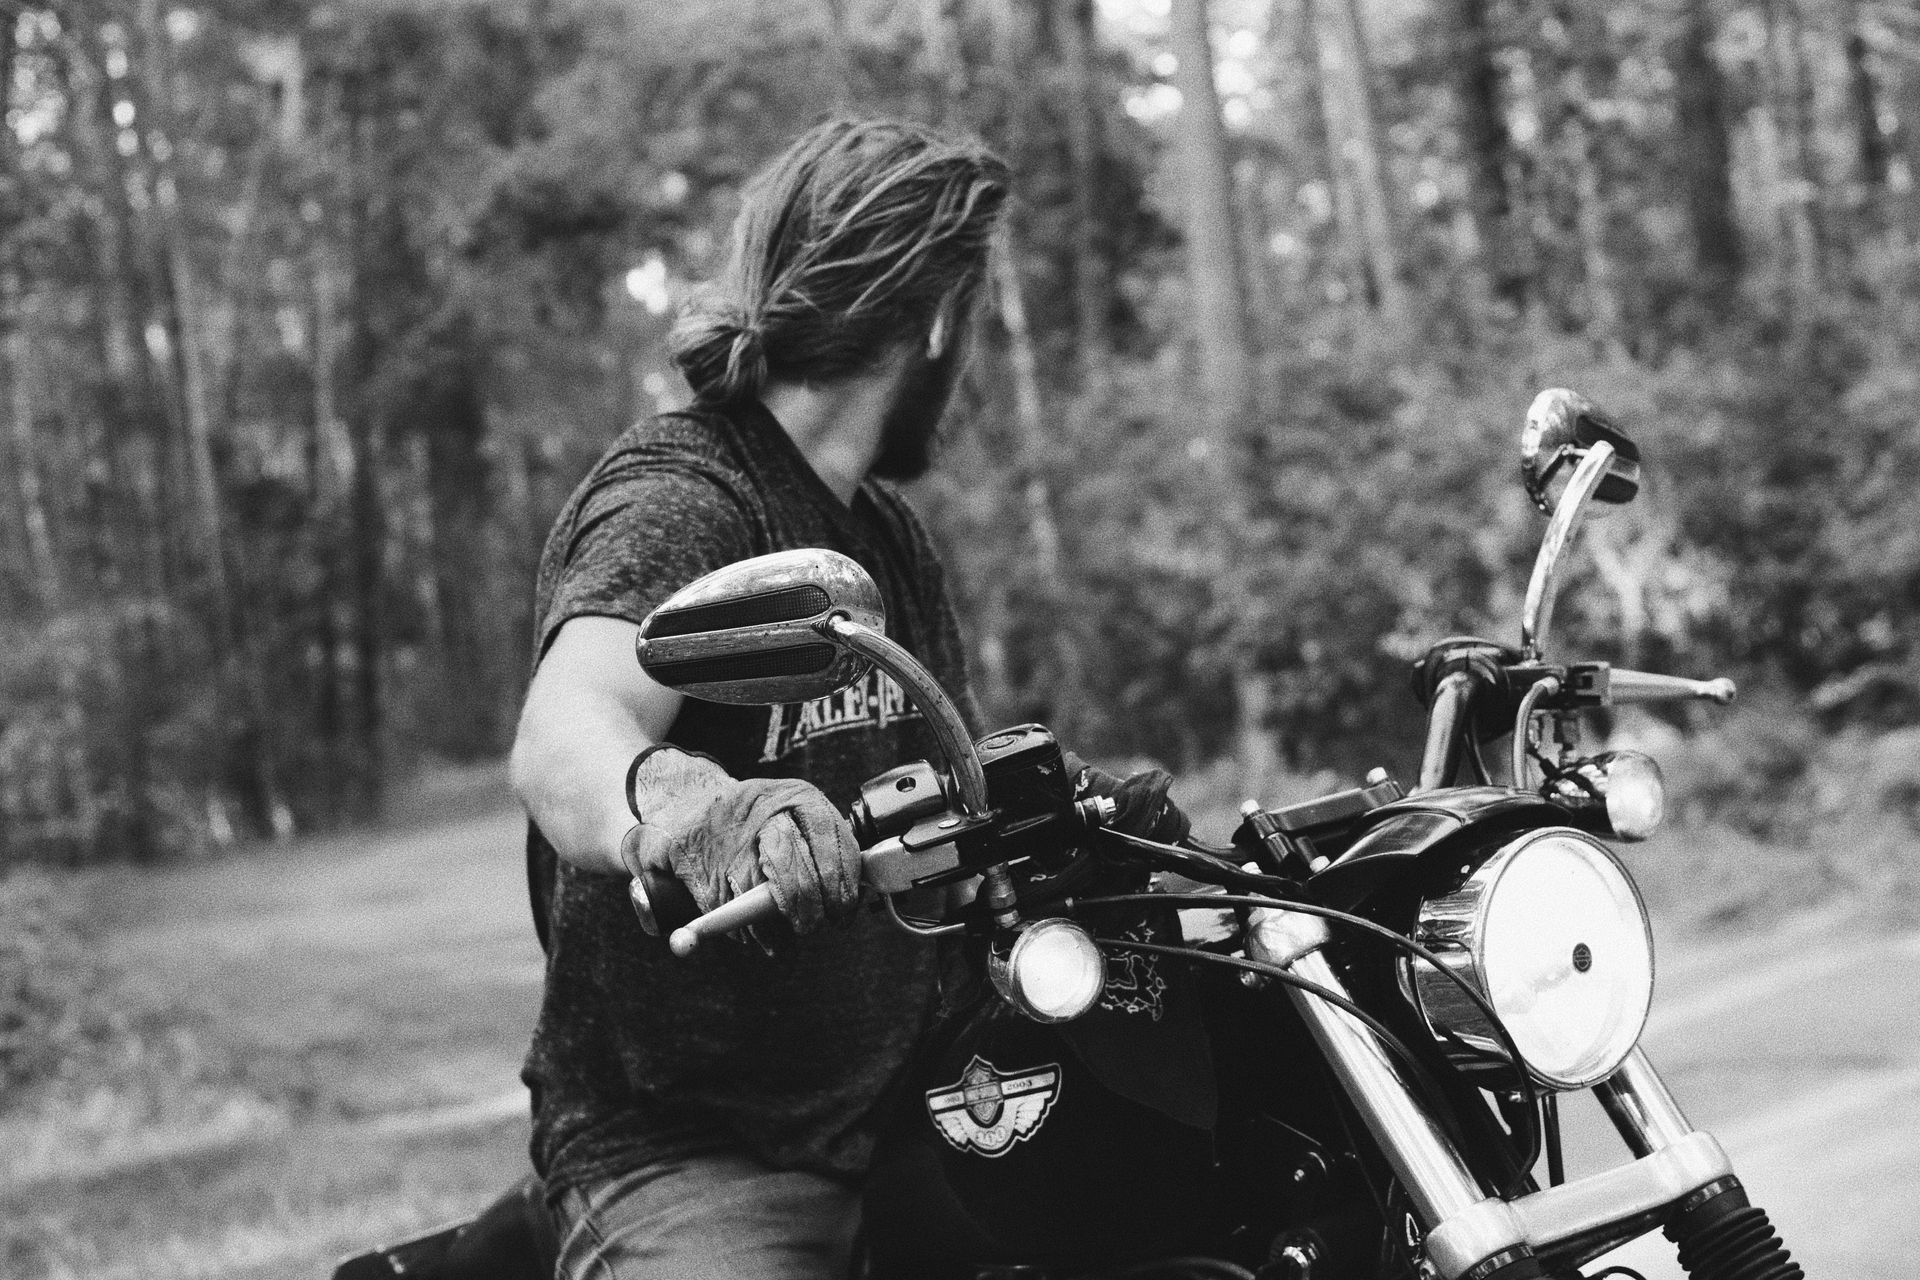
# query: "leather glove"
[1142,806]
[721,836]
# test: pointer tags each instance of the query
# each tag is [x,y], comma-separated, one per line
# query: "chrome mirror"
[751,632]
[1562,428]
[1565,432]
[791,627]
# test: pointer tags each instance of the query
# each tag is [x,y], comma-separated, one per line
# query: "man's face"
[910,433]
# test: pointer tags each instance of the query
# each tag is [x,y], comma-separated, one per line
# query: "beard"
[910,433]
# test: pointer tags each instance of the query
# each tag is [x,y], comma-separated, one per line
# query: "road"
[1799,1049]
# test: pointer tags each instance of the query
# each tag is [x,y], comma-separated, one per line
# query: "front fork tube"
[1641,1108]
[1471,1234]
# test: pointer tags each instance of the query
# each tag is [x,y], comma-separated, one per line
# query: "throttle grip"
[752,907]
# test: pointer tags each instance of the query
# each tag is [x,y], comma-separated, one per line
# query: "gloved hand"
[721,836]
[1143,808]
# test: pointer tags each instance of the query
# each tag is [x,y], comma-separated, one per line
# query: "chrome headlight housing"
[1054,972]
[1551,930]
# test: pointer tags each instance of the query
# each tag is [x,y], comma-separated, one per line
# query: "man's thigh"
[709,1216]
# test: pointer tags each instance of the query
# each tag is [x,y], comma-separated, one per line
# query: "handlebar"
[1442,755]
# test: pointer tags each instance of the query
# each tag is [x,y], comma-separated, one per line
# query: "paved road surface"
[1799,1049]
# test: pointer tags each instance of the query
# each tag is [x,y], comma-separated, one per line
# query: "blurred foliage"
[310,315]
[51,1006]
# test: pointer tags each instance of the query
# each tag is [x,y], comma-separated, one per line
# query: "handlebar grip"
[1647,686]
[894,865]
[751,907]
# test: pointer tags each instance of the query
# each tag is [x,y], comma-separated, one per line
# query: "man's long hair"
[847,245]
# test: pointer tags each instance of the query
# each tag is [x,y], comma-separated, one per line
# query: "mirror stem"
[956,744]
[1537,618]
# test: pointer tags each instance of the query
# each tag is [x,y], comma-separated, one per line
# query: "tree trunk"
[132,395]
[1213,240]
[1791,103]
[43,562]
[1581,75]
[1078,40]
[1489,147]
[366,515]
[188,324]
[1349,244]
[1016,32]
[450,416]
[1706,153]
[1863,97]
[840,45]
[1354,139]
[322,489]
[1043,531]
[940,39]
[254,755]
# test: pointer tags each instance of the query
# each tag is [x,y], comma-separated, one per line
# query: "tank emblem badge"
[986,1111]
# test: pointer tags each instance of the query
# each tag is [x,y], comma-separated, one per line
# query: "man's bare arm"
[589,711]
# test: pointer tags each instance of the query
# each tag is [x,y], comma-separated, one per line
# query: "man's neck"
[836,425]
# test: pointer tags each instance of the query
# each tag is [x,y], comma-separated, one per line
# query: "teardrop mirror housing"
[754,632]
[1561,426]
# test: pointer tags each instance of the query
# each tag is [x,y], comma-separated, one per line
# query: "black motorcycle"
[1332,1049]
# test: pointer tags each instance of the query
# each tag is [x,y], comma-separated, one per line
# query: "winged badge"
[986,1110]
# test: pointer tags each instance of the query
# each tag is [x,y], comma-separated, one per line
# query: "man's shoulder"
[680,449]
[693,432]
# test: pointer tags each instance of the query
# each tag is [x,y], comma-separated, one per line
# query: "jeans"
[709,1216]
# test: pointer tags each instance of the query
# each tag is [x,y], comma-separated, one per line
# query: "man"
[711,1116]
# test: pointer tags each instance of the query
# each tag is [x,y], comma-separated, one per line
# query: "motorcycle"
[1335,1047]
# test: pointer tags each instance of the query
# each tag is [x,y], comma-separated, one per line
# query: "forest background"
[312,314]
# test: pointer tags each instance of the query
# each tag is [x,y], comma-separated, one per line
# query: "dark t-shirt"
[638,1055]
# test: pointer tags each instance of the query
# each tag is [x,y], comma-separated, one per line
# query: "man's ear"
[947,319]
[937,336]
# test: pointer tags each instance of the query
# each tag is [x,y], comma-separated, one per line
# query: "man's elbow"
[525,758]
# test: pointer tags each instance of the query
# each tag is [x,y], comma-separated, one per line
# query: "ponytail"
[722,354]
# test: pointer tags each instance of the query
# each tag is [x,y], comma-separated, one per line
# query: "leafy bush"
[51,1001]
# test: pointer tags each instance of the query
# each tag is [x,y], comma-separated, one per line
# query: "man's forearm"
[590,710]
[569,768]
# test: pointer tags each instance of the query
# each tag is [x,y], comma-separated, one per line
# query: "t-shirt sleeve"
[637,536]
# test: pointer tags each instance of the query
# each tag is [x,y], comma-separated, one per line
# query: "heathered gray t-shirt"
[638,1055]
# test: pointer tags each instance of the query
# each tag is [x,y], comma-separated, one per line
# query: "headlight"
[1054,973]
[1551,930]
